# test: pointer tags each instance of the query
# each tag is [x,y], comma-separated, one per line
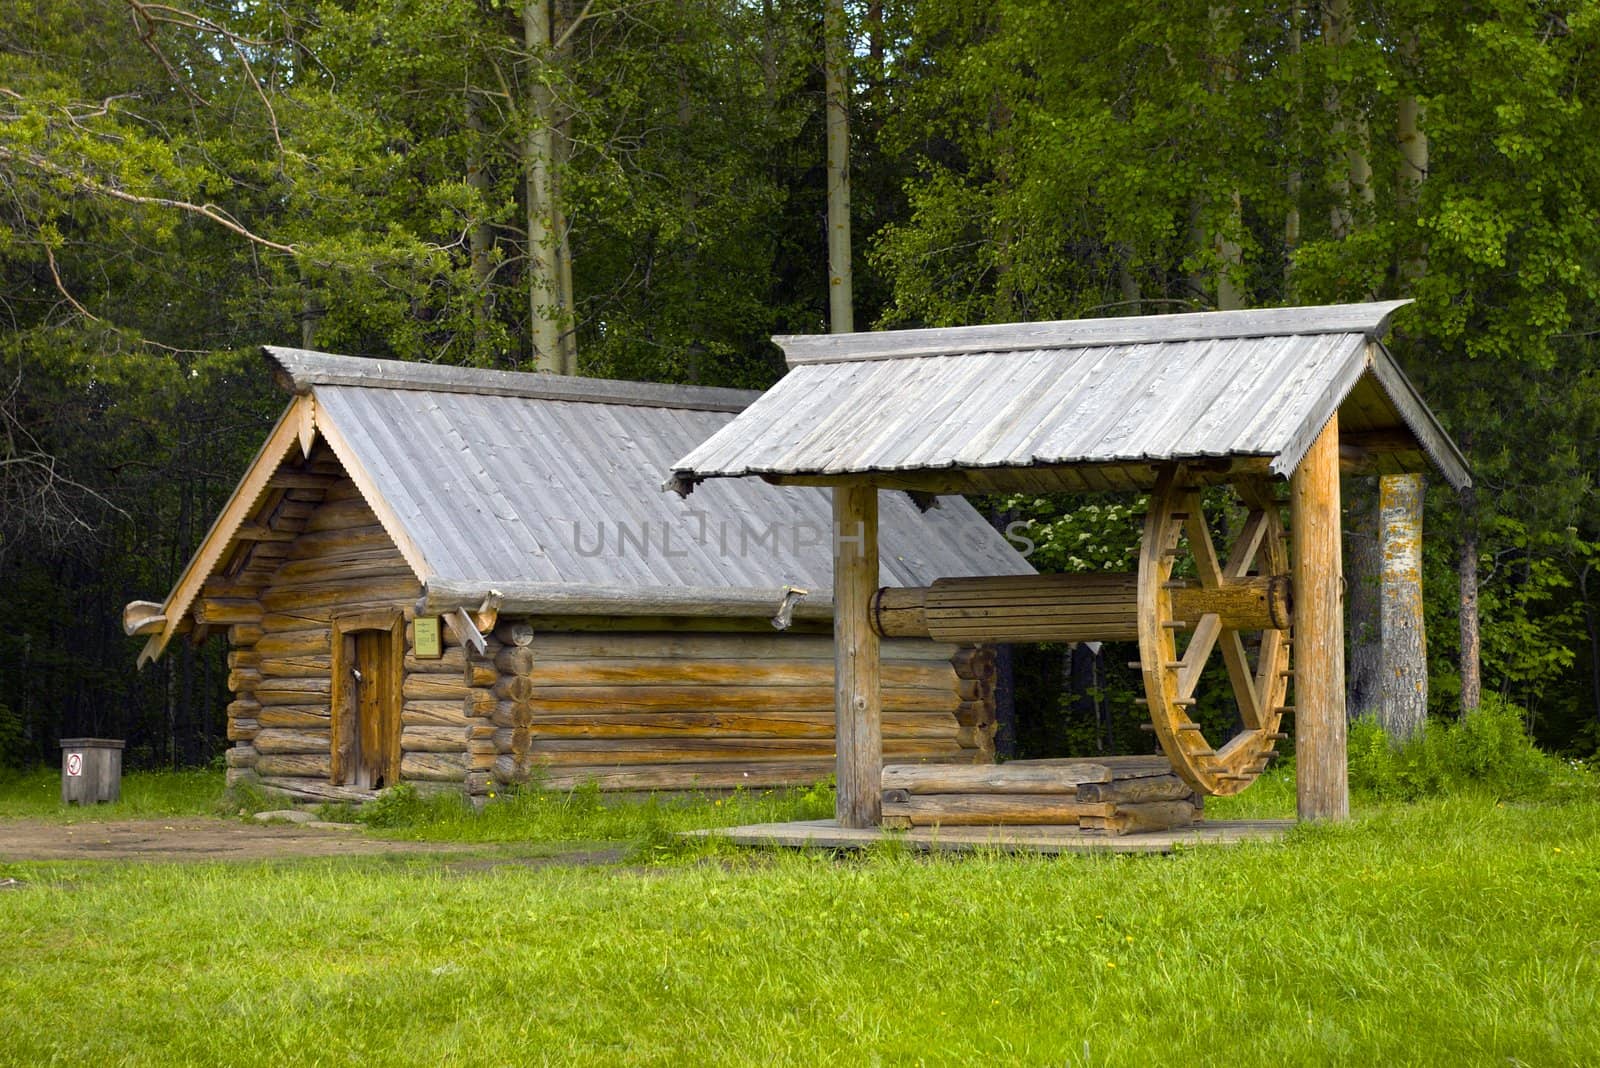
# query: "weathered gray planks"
[1090,396]
[1371,319]
[827,834]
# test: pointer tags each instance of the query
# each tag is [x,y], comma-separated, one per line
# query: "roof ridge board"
[1370,319]
[302,370]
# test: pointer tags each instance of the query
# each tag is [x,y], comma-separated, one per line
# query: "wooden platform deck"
[827,834]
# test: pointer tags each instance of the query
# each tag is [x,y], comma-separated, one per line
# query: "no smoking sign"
[74,765]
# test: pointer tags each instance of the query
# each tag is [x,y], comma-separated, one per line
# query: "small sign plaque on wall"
[426,634]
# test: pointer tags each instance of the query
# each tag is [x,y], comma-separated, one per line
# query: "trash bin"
[91,770]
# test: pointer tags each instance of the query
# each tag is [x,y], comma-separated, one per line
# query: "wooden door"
[368,655]
[377,755]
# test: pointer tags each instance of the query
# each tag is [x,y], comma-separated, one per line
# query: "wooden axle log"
[1078,607]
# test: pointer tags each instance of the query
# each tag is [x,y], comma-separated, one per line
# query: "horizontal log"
[562,598]
[341,515]
[244,708]
[294,716]
[671,725]
[296,765]
[432,739]
[972,810]
[242,729]
[430,687]
[310,789]
[513,714]
[657,751]
[434,714]
[241,680]
[479,703]
[379,592]
[479,674]
[241,635]
[433,767]
[688,776]
[1125,791]
[243,658]
[976,735]
[975,713]
[300,666]
[452,659]
[515,688]
[219,611]
[575,699]
[241,756]
[1121,767]
[292,740]
[516,660]
[515,633]
[973,661]
[1153,816]
[680,671]
[557,646]
[1017,777]
[1096,606]
[307,642]
[293,691]
[350,566]
[320,544]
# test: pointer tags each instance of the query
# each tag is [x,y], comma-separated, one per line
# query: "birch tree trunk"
[836,50]
[1403,708]
[1467,567]
[543,268]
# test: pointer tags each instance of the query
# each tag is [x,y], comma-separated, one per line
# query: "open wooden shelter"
[1166,405]
[464,577]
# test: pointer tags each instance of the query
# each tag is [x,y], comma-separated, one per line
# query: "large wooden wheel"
[1176,526]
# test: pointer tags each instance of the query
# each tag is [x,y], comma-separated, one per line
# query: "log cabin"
[465,578]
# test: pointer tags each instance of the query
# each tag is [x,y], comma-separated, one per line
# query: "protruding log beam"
[1076,607]
[1323,792]
[857,703]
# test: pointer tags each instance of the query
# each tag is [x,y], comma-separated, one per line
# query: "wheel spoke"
[1243,556]
[1201,642]
[1242,678]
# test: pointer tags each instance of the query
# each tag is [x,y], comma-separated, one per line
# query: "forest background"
[638,189]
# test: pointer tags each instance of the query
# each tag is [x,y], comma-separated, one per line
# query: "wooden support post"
[857,708]
[1319,732]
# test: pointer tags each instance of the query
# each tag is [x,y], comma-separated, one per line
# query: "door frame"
[344,716]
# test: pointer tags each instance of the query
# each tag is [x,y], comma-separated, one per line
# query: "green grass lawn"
[36,794]
[1447,931]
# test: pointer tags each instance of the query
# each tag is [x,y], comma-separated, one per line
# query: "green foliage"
[1486,753]
[399,806]
[12,748]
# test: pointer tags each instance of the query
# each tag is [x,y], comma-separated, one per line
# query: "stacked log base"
[1109,795]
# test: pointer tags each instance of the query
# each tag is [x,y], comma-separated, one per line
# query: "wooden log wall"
[647,710]
[337,559]
[1102,796]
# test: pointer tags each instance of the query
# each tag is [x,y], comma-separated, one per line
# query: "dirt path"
[198,839]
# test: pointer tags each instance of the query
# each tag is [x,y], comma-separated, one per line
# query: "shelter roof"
[1082,404]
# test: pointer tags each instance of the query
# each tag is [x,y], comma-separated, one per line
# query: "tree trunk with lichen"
[1403,705]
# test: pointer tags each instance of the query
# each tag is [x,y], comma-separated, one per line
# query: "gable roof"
[547,490]
[1113,396]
